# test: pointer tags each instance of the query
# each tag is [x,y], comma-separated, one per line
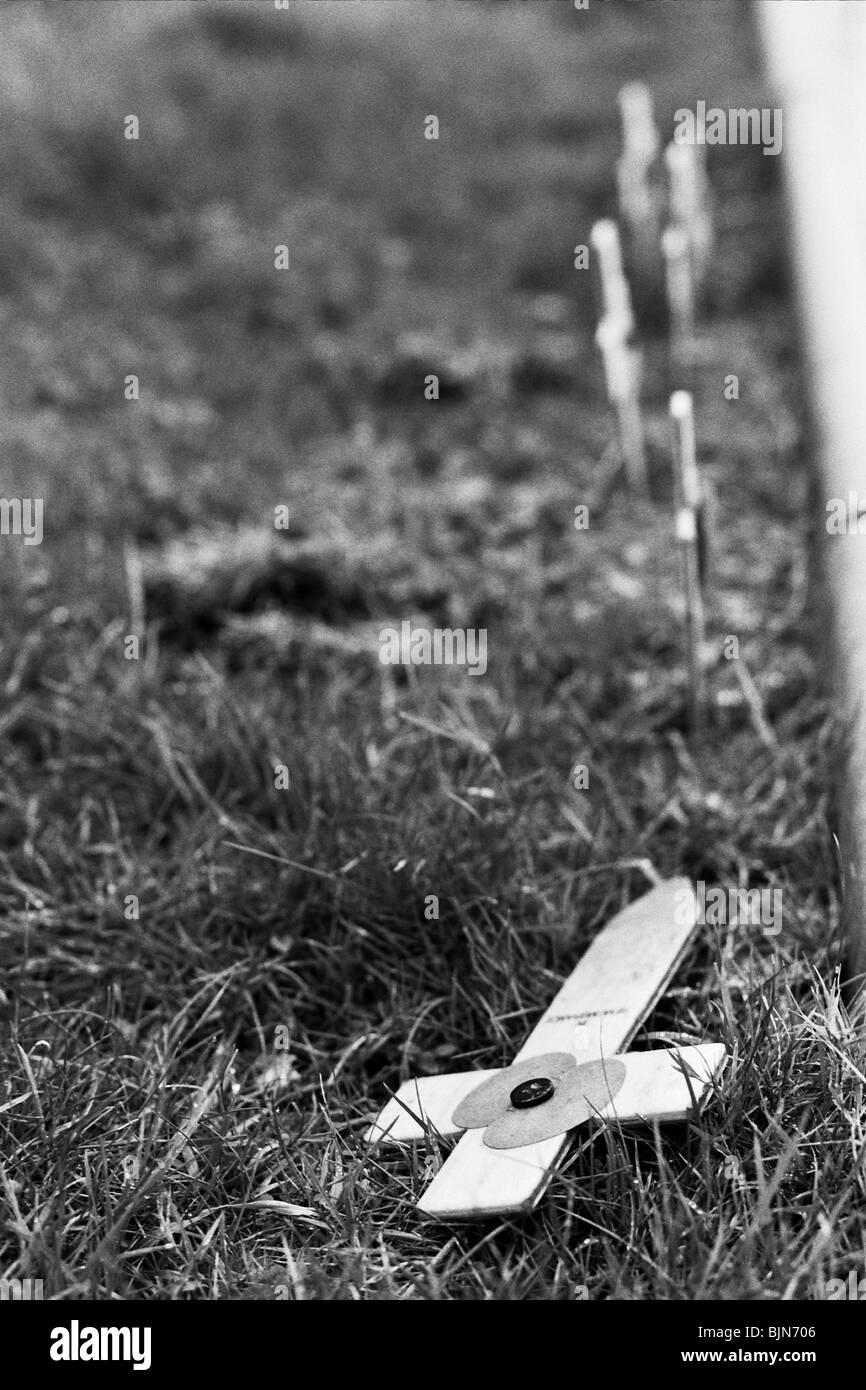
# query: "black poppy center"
[533,1092]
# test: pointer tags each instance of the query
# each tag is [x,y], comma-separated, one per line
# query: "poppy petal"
[579,1095]
[493,1097]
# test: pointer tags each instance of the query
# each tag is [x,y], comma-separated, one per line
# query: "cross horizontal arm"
[655,1089]
[422,1105]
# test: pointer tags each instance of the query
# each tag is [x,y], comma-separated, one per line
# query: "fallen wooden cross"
[516,1121]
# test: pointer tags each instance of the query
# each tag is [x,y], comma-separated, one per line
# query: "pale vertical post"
[616,298]
[687,494]
[622,371]
[817,55]
[680,288]
[689,195]
[638,202]
[622,365]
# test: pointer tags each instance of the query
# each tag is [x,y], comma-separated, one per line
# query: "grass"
[183,1093]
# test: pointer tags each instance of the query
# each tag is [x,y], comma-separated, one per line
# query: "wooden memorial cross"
[516,1121]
